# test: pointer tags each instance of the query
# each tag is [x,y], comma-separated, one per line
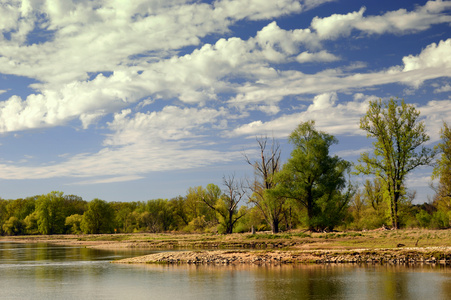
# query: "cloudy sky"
[137,100]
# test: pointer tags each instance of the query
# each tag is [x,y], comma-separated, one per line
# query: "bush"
[439,220]
[423,218]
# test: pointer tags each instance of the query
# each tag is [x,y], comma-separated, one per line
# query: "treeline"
[312,190]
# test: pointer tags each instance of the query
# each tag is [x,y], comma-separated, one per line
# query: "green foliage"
[177,206]
[21,208]
[442,171]
[126,215]
[99,218]
[196,225]
[157,216]
[31,223]
[440,220]
[314,178]
[13,226]
[397,133]
[252,217]
[423,218]
[50,213]
[74,223]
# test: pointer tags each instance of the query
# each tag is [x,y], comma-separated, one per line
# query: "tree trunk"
[310,213]
[275,225]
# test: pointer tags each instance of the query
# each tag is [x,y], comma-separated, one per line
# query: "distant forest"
[311,190]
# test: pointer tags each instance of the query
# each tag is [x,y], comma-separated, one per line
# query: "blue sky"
[138,100]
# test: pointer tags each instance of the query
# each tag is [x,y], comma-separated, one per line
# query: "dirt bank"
[433,255]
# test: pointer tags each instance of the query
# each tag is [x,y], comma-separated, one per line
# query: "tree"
[315,179]
[31,223]
[265,169]
[225,205]
[398,133]
[50,213]
[442,172]
[99,218]
[13,226]
[158,215]
[177,205]
[74,223]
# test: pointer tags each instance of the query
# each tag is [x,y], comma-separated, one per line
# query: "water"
[40,271]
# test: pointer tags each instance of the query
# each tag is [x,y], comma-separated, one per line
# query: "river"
[41,271]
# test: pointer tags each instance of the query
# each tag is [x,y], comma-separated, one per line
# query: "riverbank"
[377,246]
[430,255]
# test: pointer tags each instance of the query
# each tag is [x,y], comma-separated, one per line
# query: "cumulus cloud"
[336,25]
[341,118]
[443,89]
[400,21]
[321,56]
[93,39]
[169,91]
[432,62]
[259,9]
[434,56]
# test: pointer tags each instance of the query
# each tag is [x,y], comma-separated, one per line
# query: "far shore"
[377,246]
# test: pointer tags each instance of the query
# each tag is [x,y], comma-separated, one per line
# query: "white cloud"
[108,180]
[172,139]
[342,118]
[256,9]
[352,152]
[193,78]
[434,56]
[322,56]
[328,116]
[432,62]
[93,38]
[400,21]
[436,112]
[443,89]
[323,101]
[336,25]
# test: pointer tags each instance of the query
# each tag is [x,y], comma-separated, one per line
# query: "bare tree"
[265,168]
[226,205]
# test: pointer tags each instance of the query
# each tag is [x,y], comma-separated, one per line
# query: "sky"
[138,100]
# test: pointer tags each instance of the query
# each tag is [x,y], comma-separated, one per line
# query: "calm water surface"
[40,271]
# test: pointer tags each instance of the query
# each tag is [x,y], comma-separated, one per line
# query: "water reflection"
[43,272]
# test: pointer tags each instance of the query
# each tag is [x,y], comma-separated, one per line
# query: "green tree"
[74,205]
[74,223]
[315,179]
[177,205]
[50,213]
[442,172]
[398,147]
[265,168]
[21,208]
[31,223]
[125,219]
[158,216]
[13,226]
[99,218]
